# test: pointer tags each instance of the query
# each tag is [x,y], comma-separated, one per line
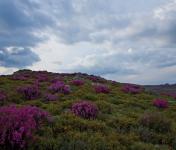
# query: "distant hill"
[164,88]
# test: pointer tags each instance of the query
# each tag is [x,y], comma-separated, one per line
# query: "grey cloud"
[104,70]
[96,22]
[16,14]
[126,63]
[17,57]
[19,20]
[19,39]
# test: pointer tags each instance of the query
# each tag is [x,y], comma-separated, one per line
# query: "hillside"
[41,110]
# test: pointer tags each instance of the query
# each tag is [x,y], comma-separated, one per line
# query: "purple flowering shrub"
[3,96]
[85,109]
[100,88]
[50,97]
[42,77]
[59,86]
[30,92]
[77,82]
[57,79]
[66,89]
[160,103]
[96,79]
[114,82]
[93,78]
[19,77]
[17,125]
[56,86]
[132,89]
[173,95]
[36,83]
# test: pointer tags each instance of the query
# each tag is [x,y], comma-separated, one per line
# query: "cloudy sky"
[128,41]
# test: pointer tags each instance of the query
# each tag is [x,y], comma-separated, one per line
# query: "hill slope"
[82,112]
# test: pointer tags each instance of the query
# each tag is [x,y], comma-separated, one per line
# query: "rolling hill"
[40,110]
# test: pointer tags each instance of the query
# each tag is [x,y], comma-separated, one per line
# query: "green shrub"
[142,146]
[146,146]
[90,96]
[69,122]
[122,124]
[149,136]
[156,121]
[104,107]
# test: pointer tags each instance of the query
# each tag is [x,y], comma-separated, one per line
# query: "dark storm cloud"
[19,21]
[20,57]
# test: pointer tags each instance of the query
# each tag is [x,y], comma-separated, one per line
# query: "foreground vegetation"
[50,111]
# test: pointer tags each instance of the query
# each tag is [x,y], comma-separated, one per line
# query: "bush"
[99,88]
[42,78]
[143,146]
[77,82]
[85,109]
[50,97]
[122,124]
[105,107]
[57,79]
[132,89]
[19,77]
[3,96]
[90,96]
[173,95]
[160,103]
[19,124]
[56,87]
[68,122]
[66,89]
[150,136]
[96,79]
[59,86]
[156,122]
[29,92]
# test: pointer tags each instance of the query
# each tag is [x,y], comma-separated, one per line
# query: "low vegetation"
[41,110]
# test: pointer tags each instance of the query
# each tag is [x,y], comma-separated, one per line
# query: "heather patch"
[59,86]
[85,109]
[18,124]
[100,88]
[29,92]
[132,89]
[160,103]
[77,82]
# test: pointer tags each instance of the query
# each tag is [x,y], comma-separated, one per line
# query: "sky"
[127,41]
